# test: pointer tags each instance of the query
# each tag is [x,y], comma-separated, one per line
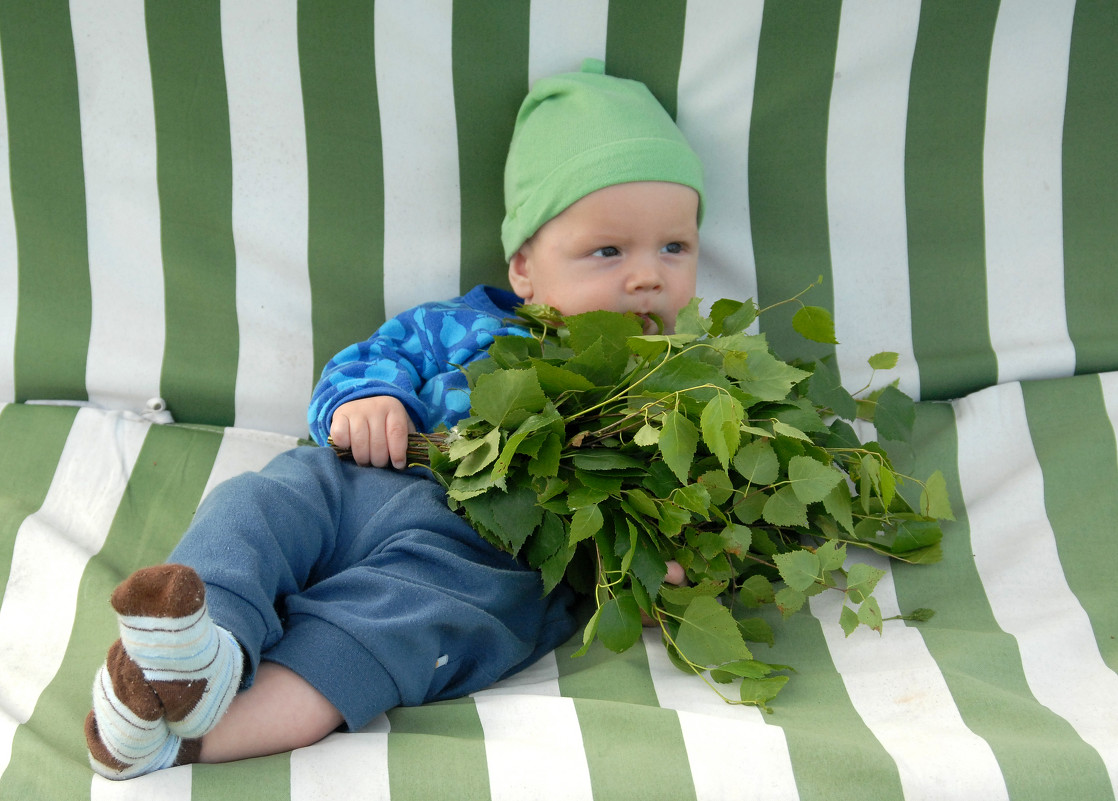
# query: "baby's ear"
[520,275]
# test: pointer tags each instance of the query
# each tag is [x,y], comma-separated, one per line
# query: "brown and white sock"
[167,681]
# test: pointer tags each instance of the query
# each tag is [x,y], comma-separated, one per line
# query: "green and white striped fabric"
[1010,691]
[205,200]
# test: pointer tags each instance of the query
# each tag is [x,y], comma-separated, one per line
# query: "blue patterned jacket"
[415,357]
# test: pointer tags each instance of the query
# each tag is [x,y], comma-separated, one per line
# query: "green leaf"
[737,538]
[678,441]
[709,635]
[869,614]
[838,505]
[789,601]
[815,323]
[511,515]
[555,380]
[610,328]
[732,316]
[848,619]
[605,459]
[783,508]
[718,485]
[478,457]
[886,360]
[755,629]
[799,569]
[586,522]
[825,389]
[647,436]
[720,423]
[546,461]
[757,463]
[934,499]
[619,625]
[742,669]
[831,555]
[895,415]
[507,398]
[694,498]
[785,430]
[589,631]
[554,568]
[756,591]
[766,377]
[516,441]
[689,321]
[860,581]
[758,692]
[546,541]
[915,534]
[811,480]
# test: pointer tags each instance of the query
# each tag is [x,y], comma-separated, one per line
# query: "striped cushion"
[1009,690]
[208,200]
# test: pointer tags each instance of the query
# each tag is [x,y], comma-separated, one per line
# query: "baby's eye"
[608,252]
[672,247]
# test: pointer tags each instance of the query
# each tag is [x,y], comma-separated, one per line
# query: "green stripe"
[788,165]
[437,751]
[944,200]
[487,93]
[263,779]
[1090,183]
[834,755]
[980,663]
[613,698]
[195,175]
[162,493]
[644,41]
[33,438]
[345,174]
[48,199]
[1074,441]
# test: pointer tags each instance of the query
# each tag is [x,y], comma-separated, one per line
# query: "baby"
[317,593]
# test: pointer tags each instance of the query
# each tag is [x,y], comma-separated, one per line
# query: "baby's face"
[630,247]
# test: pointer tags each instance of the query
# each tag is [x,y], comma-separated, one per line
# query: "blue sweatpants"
[363,582]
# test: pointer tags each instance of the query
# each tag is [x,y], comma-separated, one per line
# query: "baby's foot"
[167,681]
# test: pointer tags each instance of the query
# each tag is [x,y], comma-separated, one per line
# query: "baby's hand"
[374,429]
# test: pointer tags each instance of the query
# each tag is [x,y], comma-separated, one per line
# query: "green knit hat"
[580,132]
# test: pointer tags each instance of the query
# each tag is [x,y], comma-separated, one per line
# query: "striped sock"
[125,731]
[167,681]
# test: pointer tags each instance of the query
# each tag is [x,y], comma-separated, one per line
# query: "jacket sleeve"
[395,361]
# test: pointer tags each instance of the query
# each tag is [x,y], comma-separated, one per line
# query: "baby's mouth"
[649,322]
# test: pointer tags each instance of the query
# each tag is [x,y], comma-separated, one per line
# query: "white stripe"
[534,748]
[898,691]
[51,550]
[173,784]
[564,32]
[126,336]
[419,135]
[728,747]
[9,260]
[714,110]
[866,189]
[1109,384]
[1018,562]
[1022,184]
[243,451]
[344,766]
[275,370]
